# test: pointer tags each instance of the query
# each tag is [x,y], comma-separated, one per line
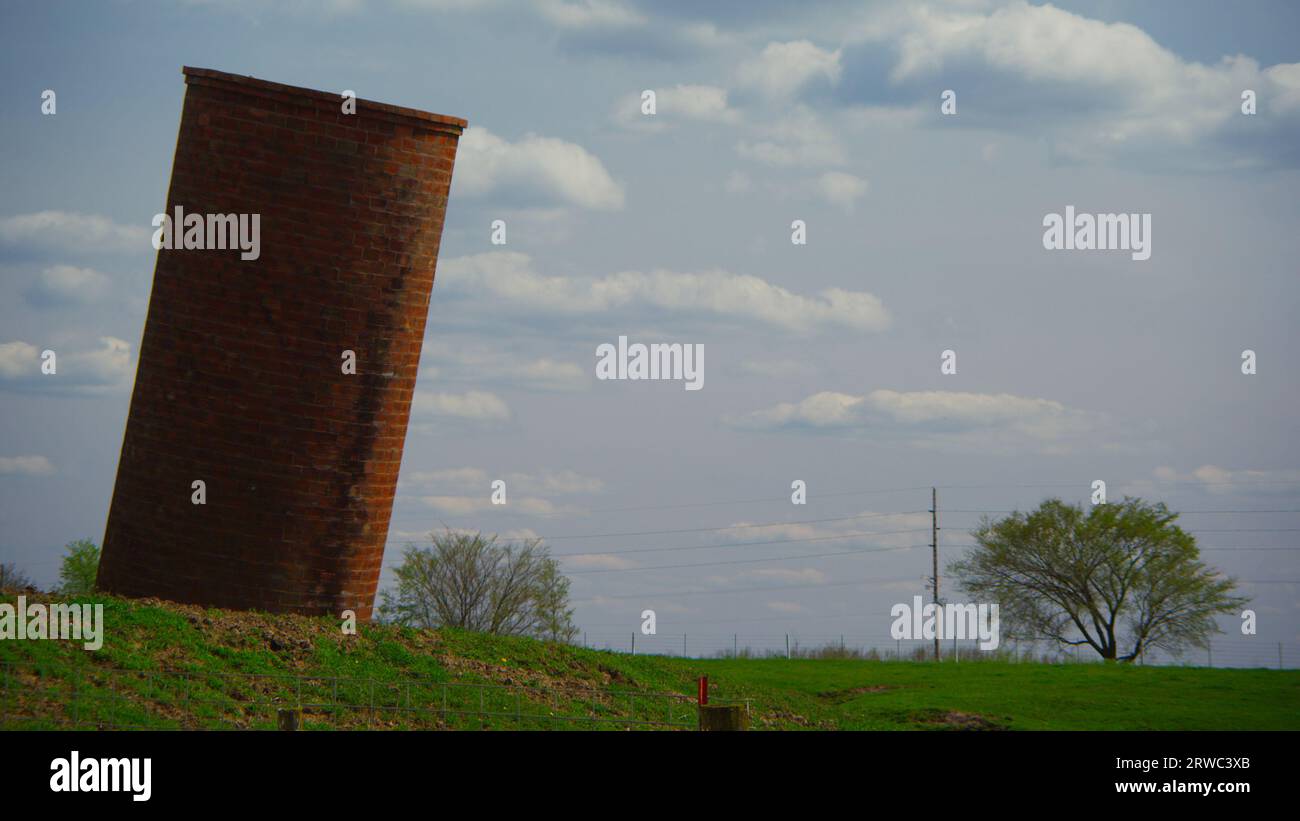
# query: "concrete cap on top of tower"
[305,96]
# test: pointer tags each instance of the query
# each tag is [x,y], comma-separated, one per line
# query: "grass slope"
[168,665]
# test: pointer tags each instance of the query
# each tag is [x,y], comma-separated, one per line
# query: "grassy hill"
[168,665]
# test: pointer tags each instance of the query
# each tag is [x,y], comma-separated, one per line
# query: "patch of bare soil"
[841,696]
[956,720]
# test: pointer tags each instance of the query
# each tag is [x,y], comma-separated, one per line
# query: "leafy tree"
[80,567]
[554,616]
[468,581]
[1122,579]
[11,578]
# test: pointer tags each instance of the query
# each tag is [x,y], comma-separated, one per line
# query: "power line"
[1178,512]
[747,561]
[1228,548]
[730,527]
[773,589]
[736,544]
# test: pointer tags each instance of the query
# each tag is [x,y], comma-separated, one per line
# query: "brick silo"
[241,383]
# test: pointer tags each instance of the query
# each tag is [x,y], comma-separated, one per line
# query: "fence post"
[289,719]
[634,642]
[725,717]
[787,645]
[735,645]
[702,697]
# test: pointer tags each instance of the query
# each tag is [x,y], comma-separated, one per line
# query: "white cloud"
[1125,90]
[476,405]
[841,189]
[456,363]
[821,410]
[445,5]
[807,575]
[784,68]
[448,476]
[534,169]
[587,14]
[539,483]
[509,278]
[108,365]
[465,505]
[799,139]
[92,371]
[68,285]
[603,561]
[866,529]
[700,103]
[25,466]
[738,182]
[932,418]
[65,231]
[1226,481]
[19,359]
[556,483]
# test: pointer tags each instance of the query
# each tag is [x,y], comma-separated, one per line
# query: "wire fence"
[1235,654]
[89,696]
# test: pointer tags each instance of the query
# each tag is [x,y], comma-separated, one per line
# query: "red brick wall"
[240,381]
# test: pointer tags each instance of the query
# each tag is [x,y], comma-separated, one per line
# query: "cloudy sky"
[924,234]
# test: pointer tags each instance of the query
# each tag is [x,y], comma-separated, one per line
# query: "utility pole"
[934,554]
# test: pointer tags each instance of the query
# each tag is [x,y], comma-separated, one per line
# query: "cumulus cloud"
[1225,481]
[458,364]
[67,231]
[19,359]
[840,189]
[448,476]
[699,103]
[509,280]
[798,139]
[930,418]
[86,371]
[61,285]
[806,575]
[533,170]
[866,529]
[539,483]
[1097,89]
[586,14]
[602,561]
[465,505]
[25,466]
[782,69]
[474,405]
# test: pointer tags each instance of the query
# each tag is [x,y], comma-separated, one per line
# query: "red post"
[704,691]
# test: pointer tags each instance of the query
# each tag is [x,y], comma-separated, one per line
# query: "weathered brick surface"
[239,381]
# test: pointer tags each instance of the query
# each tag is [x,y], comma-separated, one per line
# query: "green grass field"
[165,665]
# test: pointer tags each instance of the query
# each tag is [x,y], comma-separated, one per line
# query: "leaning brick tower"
[240,382]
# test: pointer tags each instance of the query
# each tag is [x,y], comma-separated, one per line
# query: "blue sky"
[924,234]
